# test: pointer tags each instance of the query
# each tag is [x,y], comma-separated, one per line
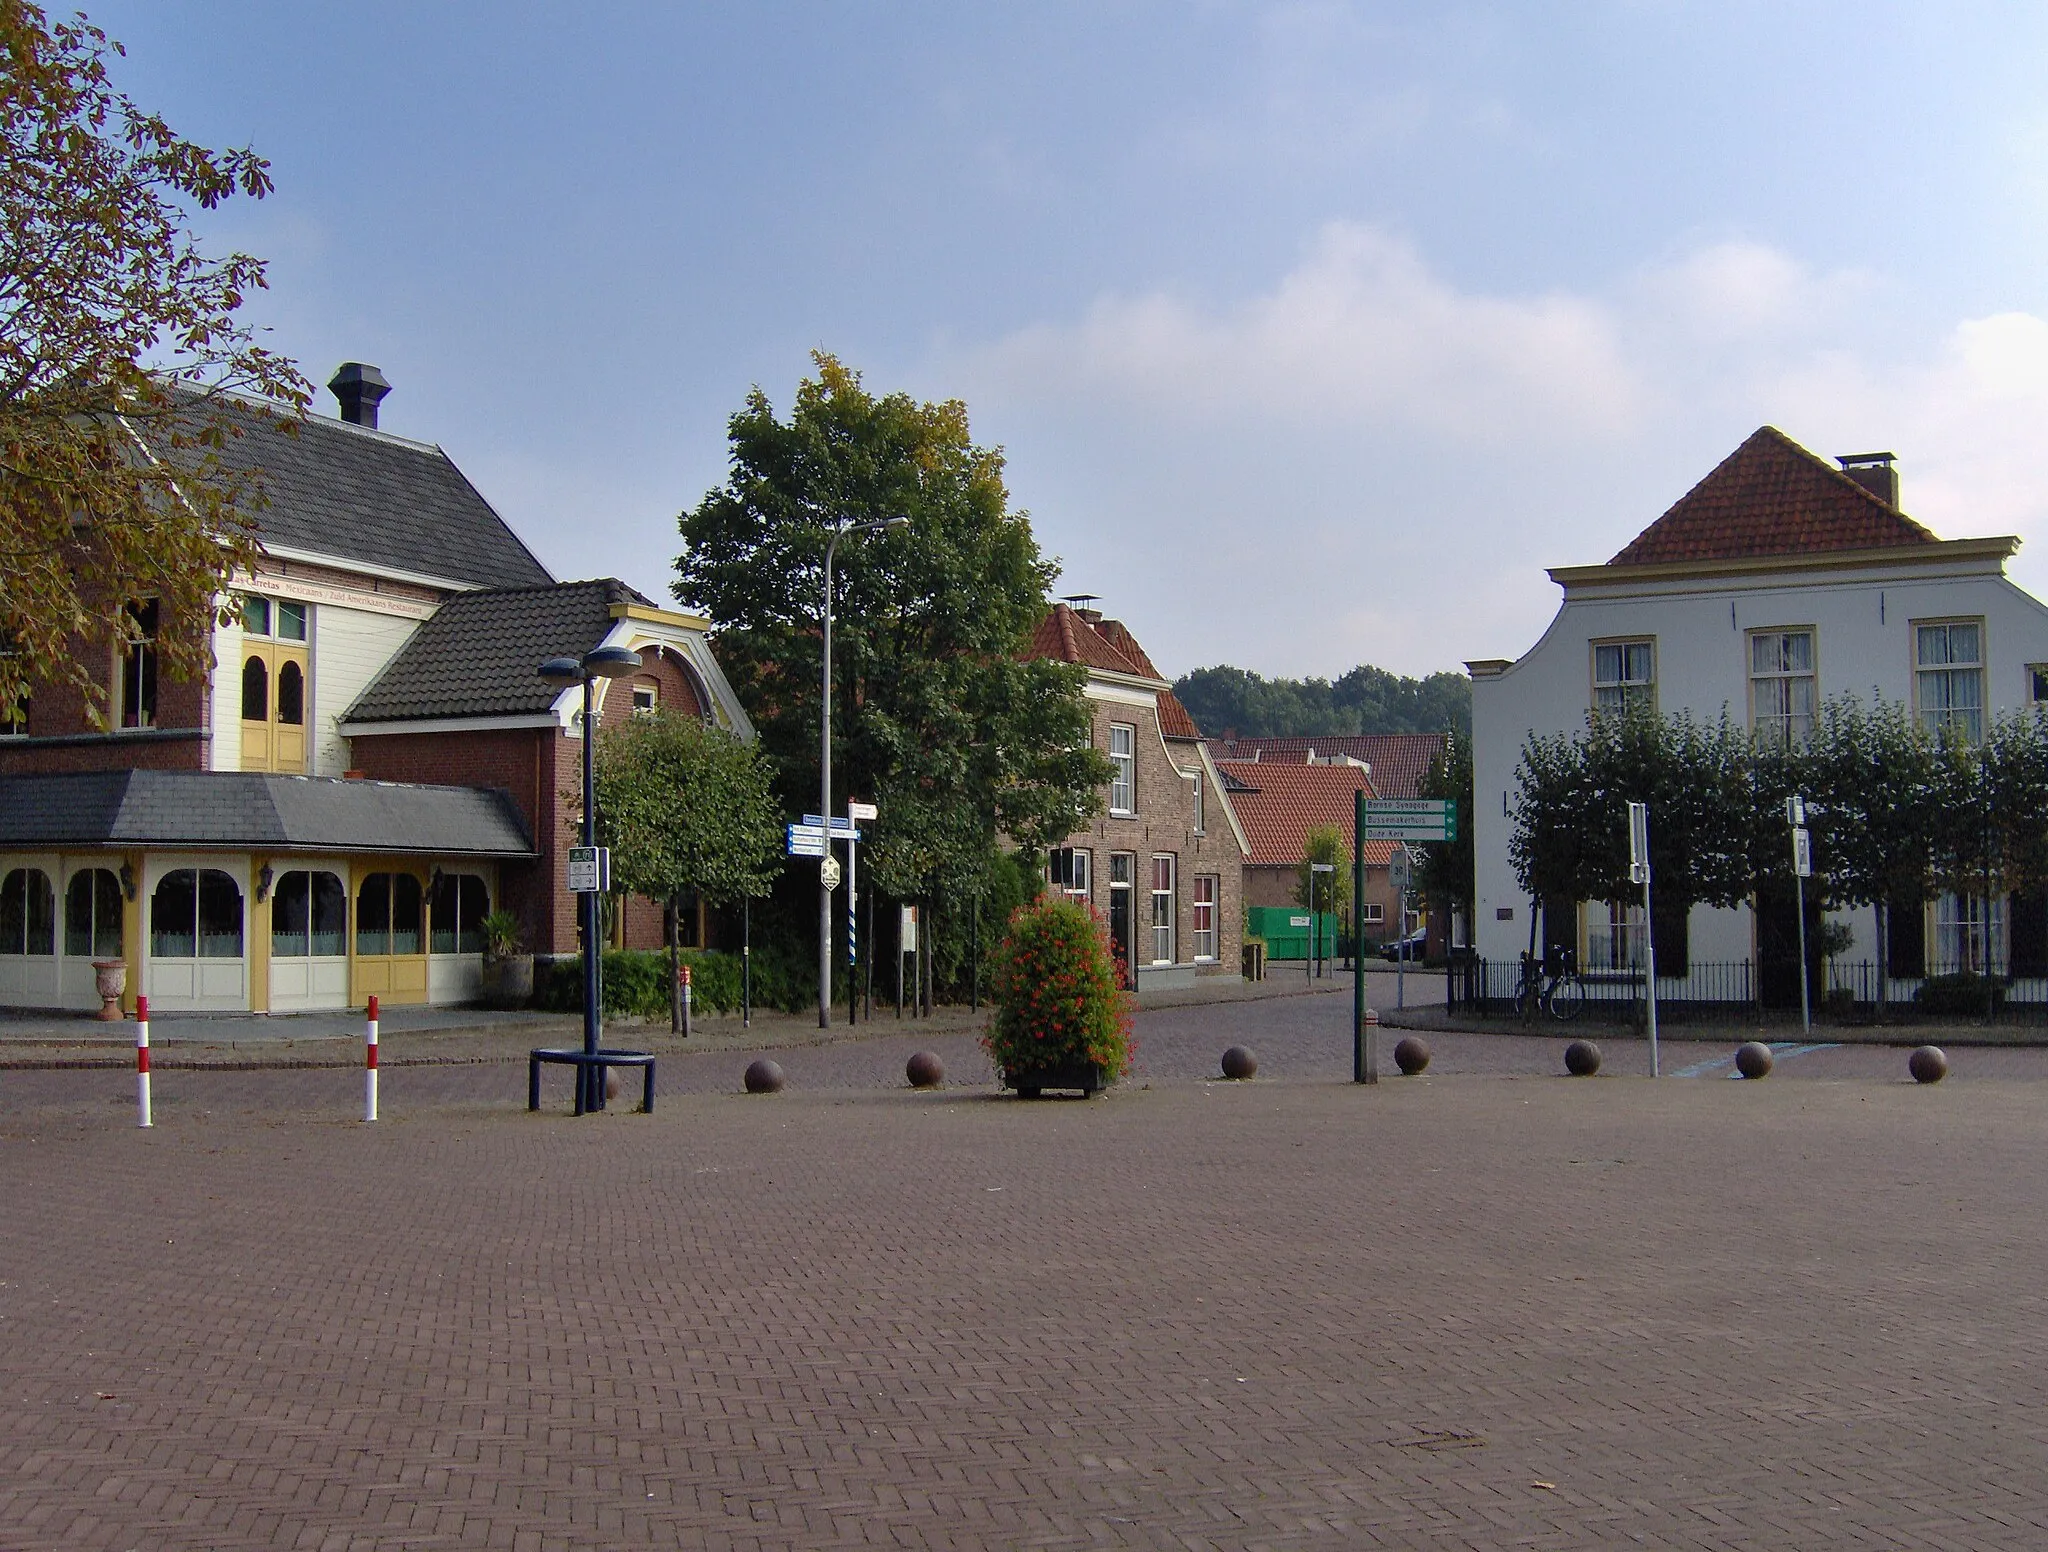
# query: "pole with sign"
[1397,875]
[1364,1058]
[1639,873]
[1802,870]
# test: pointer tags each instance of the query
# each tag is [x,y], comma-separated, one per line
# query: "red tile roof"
[1771,497]
[1399,761]
[1283,802]
[1108,644]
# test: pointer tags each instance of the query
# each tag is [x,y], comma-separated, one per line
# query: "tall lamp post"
[828,870]
[562,673]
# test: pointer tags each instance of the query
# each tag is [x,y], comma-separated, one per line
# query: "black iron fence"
[1845,991]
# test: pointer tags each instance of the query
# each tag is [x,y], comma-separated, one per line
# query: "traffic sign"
[590,870]
[1411,819]
[803,841]
[1802,852]
[841,828]
[828,872]
[862,811]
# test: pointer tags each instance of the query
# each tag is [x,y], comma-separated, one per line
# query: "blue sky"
[1312,332]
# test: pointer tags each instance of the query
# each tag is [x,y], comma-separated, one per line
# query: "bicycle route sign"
[1423,820]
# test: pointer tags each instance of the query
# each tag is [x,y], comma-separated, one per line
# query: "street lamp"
[562,673]
[828,869]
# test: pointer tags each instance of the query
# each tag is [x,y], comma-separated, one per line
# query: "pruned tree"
[119,340]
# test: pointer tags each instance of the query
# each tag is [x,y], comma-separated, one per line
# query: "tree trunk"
[675,980]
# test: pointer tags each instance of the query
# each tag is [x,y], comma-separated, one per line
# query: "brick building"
[1165,862]
[370,767]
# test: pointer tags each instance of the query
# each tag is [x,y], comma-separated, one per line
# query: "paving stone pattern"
[1487,1307]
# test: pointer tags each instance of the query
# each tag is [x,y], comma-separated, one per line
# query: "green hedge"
[1960,994]
[635,982]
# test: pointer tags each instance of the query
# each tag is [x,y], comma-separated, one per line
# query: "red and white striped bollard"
[370,1065]
[142,1061]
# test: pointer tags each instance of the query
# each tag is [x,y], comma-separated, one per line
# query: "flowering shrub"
[1056,992]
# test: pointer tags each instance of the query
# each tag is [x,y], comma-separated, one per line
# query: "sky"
[1312,333]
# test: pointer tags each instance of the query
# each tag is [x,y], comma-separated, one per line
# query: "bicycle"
[1559,993]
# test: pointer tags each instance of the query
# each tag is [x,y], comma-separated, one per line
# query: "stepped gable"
[1771,497]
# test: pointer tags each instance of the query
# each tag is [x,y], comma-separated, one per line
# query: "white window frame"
[1958,935]
[1164,903]
[651,705]
[1076,878]
[1203,912]
[1615,693]
[1123,785]
[1613,937]
[1375,912]
[1948,674]
[1775,716]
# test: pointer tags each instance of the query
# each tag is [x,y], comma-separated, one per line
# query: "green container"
[1286,931]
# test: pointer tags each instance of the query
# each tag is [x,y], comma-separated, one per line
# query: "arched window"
[456,912]
[196,913]
[308,915]
[388,914]
[291,694]
[92,915]
[255,690]
[28,913]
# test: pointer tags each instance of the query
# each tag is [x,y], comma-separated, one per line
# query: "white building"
[1777,581]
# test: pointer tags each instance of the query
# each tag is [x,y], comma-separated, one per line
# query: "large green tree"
[1444,872]
[937,718]
[1365,700]
[118,338]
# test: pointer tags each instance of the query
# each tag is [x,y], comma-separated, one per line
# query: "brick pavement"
[1484,1308]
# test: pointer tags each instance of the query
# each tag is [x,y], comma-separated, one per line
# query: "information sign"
[1411,819]
[590,870]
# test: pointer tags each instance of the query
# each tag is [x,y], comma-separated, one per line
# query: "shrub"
[635,982]
[1056,995]
[1963,994]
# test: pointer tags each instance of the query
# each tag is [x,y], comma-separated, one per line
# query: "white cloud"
[1368,462]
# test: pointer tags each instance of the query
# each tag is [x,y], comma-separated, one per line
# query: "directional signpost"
[811,839]
[1423,820]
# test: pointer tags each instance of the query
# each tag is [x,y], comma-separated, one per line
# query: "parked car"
[1409,948]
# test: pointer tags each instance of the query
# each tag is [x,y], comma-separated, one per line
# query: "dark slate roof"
[355,494]
[257,811]
[480,654]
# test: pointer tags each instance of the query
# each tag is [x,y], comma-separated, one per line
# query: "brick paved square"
[1484,1308]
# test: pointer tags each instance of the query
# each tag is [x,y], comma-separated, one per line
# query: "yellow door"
[389,945]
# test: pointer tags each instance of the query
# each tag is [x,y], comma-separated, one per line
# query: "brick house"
[1165,862]
[370,767]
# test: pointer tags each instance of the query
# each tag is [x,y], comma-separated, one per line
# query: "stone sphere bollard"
[1753,1059]
[1238,1063]
[1582,1058]
[1928,1064]
[1411,1055]
[612,1085]
[764,1077]
[925,1070]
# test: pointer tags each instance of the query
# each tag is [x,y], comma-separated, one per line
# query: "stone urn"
[110,980]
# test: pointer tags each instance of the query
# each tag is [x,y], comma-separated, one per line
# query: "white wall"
[350,648]
[1863,640]
[225,694]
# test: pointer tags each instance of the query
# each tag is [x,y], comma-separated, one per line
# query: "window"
[28,913]
[308,915]
[1123,754]
[196,913]
[92,915]
[279,619]
[2037,684]
[255,616]
[1781,685]
[1070,870]
[1948,678]
[455,914]
[1375,911]
[1205,914]
[1624,676]
[138,667]
[1162,910]
[1201,806]
[388,914]
[255,690]
[646,699]
[1614,935]
[1964,940]
[14,719]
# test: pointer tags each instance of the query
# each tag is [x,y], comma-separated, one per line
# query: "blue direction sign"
[805,841]
[841,828]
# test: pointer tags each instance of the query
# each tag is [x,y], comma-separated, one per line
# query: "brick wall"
[57,710]
[1164,824]
[1274,886]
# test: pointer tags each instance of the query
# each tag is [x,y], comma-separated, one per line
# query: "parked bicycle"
[1558,992]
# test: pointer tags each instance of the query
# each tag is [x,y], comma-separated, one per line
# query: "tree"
[1329,891]
[118,342]
[685,805]
[1444,873]
[1365,700]
[937,718]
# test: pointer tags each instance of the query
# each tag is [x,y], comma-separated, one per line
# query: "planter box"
[507,981]
[1084,1076]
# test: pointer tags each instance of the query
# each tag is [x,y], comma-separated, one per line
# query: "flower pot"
[1029,1082]
[507,980]
[110,980]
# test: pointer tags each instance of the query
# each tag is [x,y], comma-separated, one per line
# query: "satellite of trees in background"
[1365,700]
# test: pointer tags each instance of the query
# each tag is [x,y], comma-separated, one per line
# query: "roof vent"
[360,389]
[1874,472]
[1084,605]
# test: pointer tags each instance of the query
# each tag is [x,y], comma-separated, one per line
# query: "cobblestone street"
[1488,1307]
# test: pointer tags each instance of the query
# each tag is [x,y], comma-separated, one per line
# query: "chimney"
[1874,472]
[1084,605]
[360,389]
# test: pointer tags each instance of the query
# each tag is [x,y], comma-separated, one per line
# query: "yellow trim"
[1611,575]
[648,615]
[131,928]
[256,942]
